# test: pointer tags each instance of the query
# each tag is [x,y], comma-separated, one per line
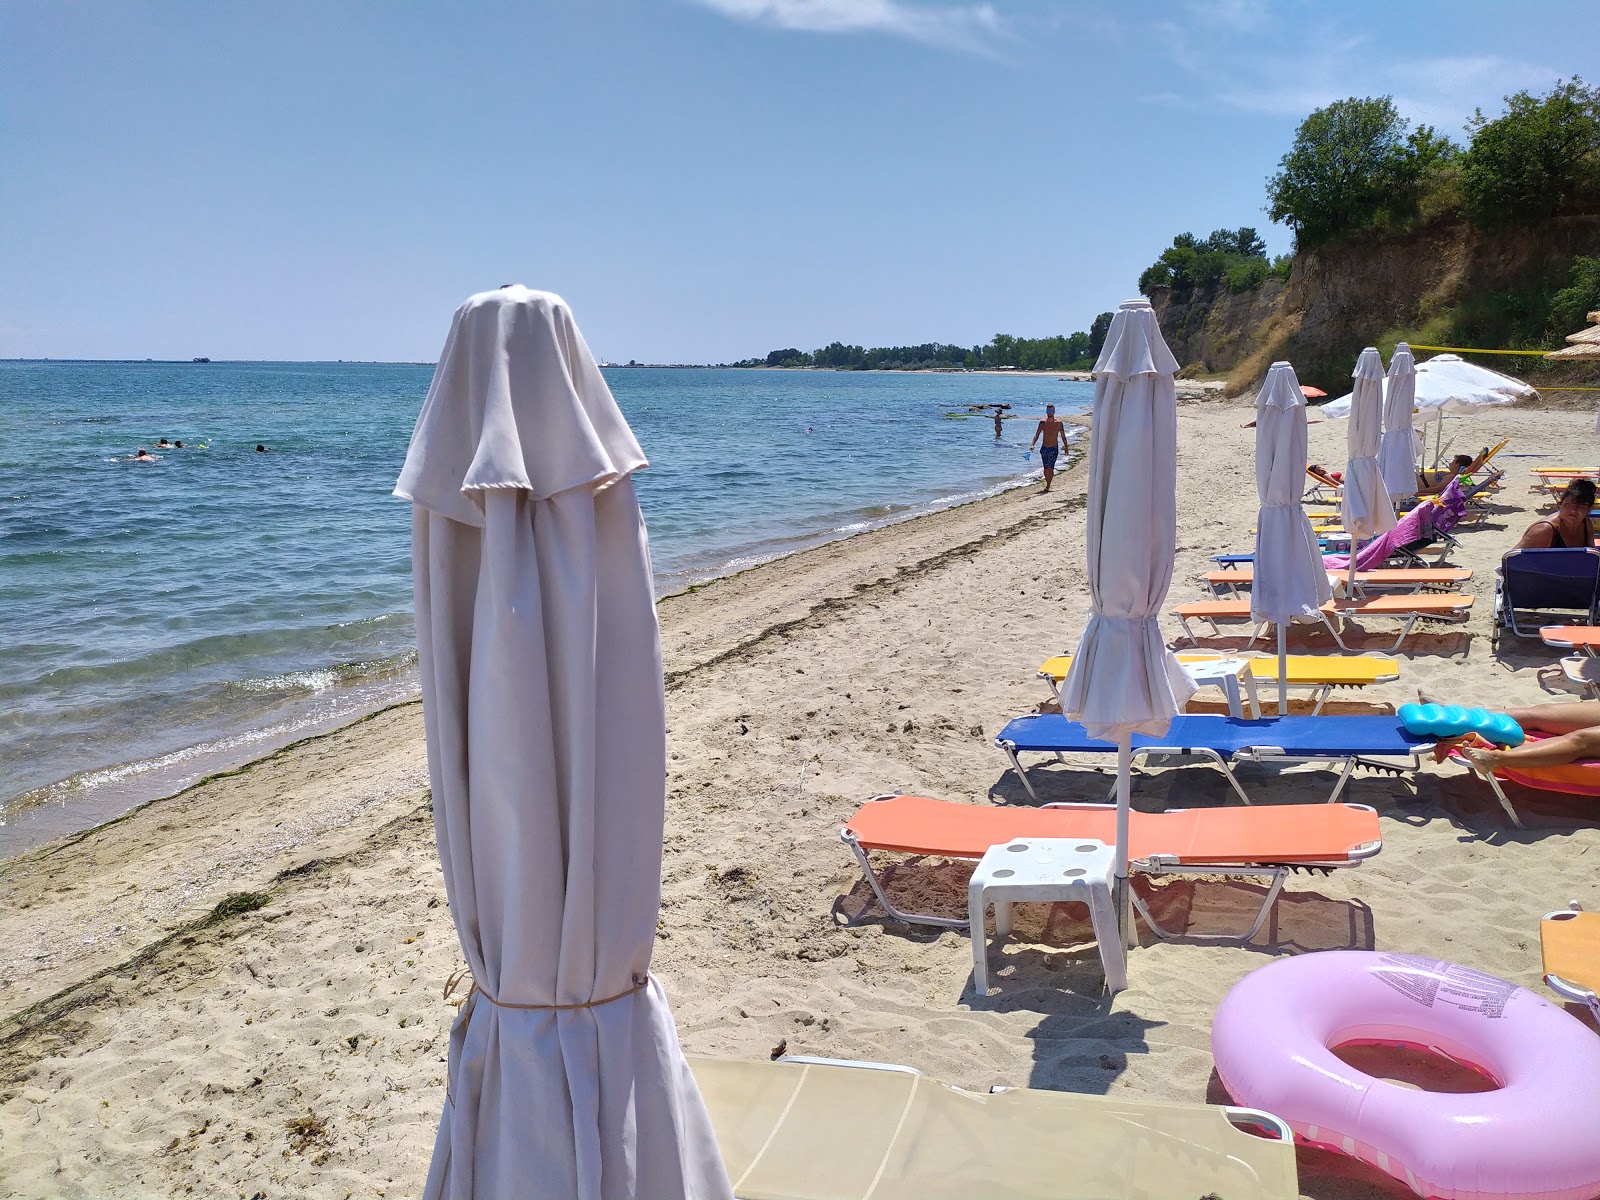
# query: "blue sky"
[704,180]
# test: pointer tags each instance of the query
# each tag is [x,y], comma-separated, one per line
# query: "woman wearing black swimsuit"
[1570,527]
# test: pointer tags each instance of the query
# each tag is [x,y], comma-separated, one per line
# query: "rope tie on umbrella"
[450,985]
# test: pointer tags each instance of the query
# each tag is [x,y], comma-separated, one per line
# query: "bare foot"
[1483,760]
[1424,697]
[1048,706]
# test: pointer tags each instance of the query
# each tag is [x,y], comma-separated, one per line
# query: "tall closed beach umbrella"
[542,698]
[1291,583]
[1367,509]
[1123,679]
[1397,449]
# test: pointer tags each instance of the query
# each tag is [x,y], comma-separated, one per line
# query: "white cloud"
[964,27]
[1443,91]
[1246,16]
[1241,63]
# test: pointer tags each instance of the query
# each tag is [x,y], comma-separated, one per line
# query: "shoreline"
[183,989]
[169,778]
[747,615]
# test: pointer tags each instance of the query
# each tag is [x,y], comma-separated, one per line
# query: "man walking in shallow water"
[1053,432]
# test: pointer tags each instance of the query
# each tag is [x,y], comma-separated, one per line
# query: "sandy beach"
[238,990]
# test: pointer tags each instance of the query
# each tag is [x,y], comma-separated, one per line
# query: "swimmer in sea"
[178,445]
[260,449]
[144,456]
[163,444]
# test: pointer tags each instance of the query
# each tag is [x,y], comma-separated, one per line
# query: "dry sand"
[237,991]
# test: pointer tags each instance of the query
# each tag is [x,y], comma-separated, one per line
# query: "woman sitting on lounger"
[1432,483]
[1571,729]
[1570,527]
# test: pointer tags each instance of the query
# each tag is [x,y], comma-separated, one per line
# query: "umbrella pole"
[1283,670]
[1123,898]
[1437,438]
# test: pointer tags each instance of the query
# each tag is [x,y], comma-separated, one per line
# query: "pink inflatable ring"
[1537,1134]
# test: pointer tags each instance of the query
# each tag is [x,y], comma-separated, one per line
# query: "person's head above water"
[260,449]
[163,442]
[178,443]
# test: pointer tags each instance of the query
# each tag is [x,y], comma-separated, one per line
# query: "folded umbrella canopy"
[1123,679]
[1291,583]
[536,628]
[1366,507]
[1397,451]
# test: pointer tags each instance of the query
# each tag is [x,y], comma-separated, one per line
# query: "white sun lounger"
[822,1129]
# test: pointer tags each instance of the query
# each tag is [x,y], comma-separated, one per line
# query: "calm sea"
[159,621]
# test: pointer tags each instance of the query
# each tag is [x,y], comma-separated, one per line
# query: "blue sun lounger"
[1228,740]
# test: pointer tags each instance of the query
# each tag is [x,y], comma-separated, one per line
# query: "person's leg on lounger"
[1573,728]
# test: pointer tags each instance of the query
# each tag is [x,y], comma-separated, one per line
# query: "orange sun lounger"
[1265,842]
[1448,606]
[1570,942]
[1414,579]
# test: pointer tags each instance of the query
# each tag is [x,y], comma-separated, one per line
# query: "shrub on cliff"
[1570,307]
[1540,159]
[1235,257]
[1354,167]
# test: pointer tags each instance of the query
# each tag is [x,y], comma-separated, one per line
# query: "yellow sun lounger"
[1224,584]
[1319,672]
[822,1129]
[1570,942]
[1408,610]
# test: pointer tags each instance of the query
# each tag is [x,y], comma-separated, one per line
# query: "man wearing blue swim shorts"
[1054,433]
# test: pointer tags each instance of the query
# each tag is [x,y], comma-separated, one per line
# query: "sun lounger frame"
[1250,754]
[1274,874]
[1246,1151]
[1408,621]
[1320,692]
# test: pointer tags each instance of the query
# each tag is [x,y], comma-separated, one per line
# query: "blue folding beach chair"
[1224,741]
[1532,584]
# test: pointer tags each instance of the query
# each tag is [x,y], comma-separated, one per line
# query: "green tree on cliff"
[1353,166]
[1539,159]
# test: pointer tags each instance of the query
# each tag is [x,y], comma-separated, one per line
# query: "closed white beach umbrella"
[1123,679]
[1366,508]
[1397,451]
[540,660]
[1291,583]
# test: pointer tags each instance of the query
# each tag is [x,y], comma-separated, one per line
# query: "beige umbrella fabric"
[1123,679]
[540,660]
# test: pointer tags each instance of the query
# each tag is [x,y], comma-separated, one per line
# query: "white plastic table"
[1227,674]
[1049,870]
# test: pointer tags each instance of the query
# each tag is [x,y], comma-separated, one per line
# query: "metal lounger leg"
[1222,765]
[1011,753]
[1277,874]
[1319,697]
[1405,629]
[1331,628]
[877,890]
[1500,795]
[1344,777]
